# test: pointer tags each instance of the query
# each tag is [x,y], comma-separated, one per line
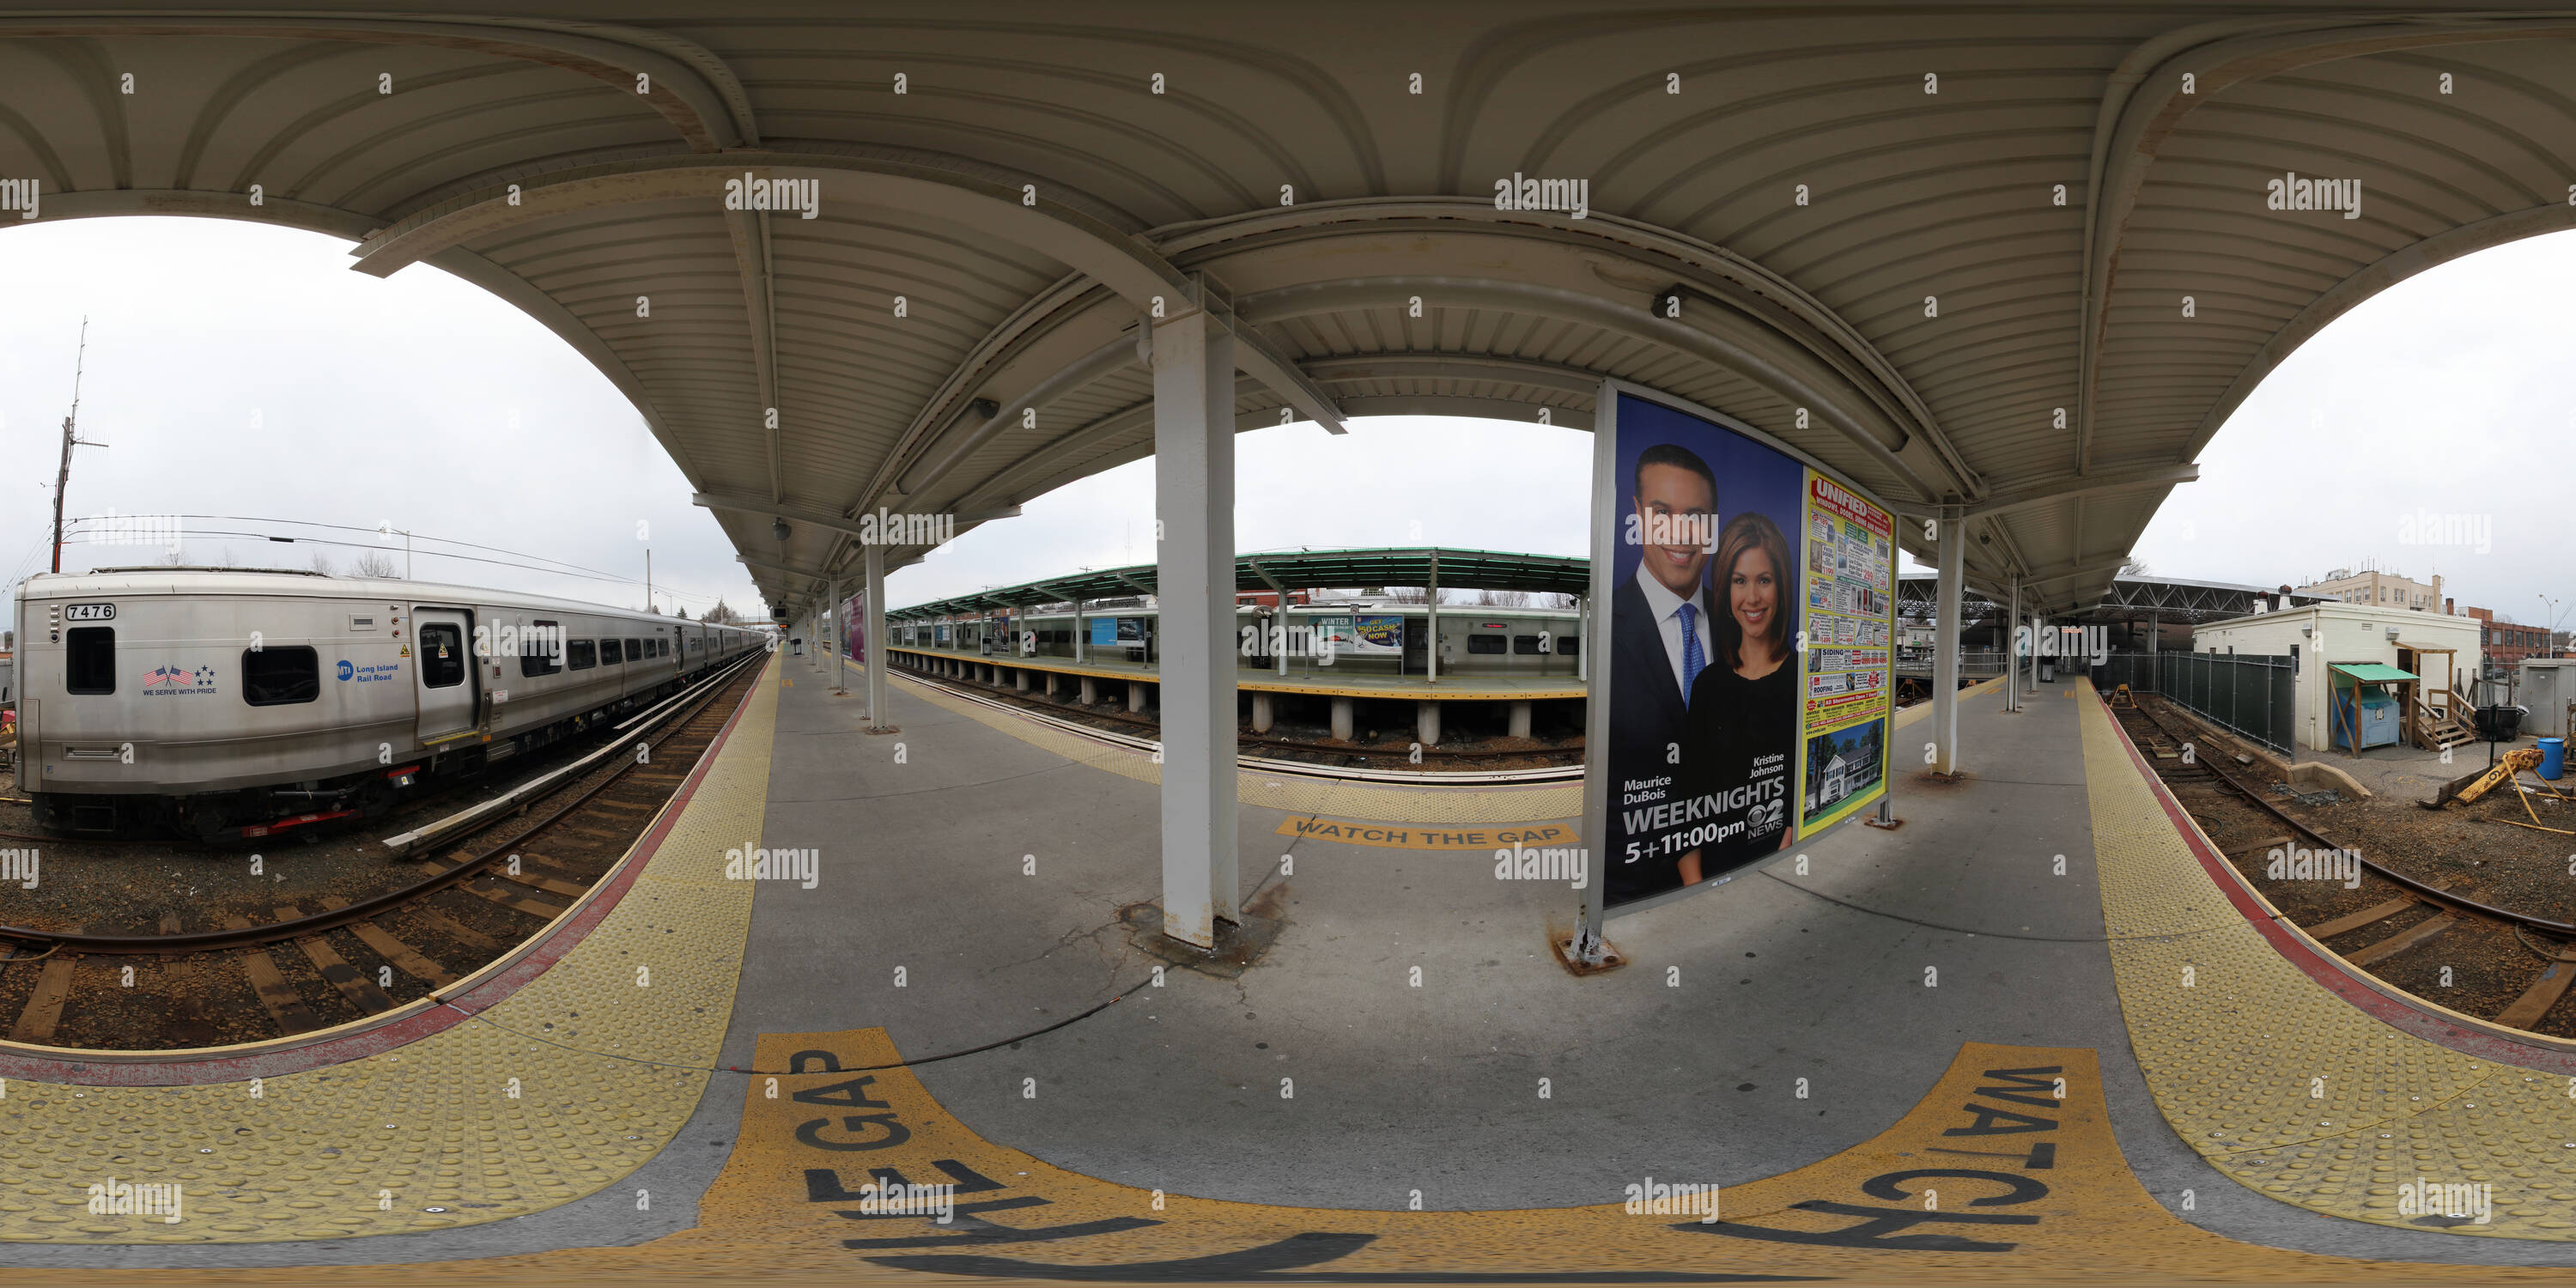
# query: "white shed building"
[2325,634]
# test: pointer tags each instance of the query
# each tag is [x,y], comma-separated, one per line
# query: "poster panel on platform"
[1741,647]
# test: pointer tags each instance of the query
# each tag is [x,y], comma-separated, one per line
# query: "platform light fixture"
[778,528]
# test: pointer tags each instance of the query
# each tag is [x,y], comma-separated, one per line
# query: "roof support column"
[872,639]
[1193,360]
[2012,651]
[840,639]
[1432,593]
[1945,651]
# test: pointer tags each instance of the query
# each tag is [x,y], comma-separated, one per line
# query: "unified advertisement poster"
[1740,700]
[1850,619]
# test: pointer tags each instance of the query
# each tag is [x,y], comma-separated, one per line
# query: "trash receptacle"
[2047,671]
[2500,723]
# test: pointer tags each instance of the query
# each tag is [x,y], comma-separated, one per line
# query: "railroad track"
[2401,917]
[477,890]
[1352,766]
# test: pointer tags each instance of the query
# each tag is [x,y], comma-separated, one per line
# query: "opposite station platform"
[1339,692]
[1940,1053]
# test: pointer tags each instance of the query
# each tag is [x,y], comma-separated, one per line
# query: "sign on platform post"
[1739,694]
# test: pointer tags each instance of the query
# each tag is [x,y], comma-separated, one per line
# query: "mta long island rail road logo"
[351,672]
[178,679]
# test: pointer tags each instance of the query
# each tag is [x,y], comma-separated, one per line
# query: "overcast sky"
[242,369]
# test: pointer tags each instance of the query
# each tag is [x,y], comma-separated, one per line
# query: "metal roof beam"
[1770,366]
[2070,487]
[742,504]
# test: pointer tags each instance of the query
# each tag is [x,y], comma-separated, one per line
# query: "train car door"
[440,638]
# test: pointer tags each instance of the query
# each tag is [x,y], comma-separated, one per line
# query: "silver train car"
[1388,639]
[219,702]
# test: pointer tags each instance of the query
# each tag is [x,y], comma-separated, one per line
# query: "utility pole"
[63,476]
[648,579]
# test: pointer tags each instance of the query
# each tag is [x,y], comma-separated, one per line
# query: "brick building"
[2506,643]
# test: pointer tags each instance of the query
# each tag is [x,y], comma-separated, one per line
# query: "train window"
[608,653]
[89,659]
[634,650]
[1484,643]
[541,649]
[1525,644]
[581,655]
[1568,645]
[277,677]
[442,655]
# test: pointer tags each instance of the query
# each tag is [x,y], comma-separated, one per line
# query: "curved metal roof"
[2013,264]
[1285,570]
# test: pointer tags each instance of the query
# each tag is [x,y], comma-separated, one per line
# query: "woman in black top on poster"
[1743,723]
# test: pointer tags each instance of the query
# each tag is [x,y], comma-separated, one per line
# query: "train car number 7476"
[90,613]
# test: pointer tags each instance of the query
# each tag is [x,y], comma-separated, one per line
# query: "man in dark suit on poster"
[1660,639]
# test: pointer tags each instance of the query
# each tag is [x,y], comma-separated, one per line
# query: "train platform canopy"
[2020,272]
[2173,599]
[1302,569]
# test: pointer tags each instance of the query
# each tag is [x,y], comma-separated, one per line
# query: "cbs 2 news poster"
[1743,676]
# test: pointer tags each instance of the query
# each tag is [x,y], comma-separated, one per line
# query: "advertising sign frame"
[1605,525]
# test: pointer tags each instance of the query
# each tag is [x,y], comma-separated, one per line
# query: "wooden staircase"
[2441,728]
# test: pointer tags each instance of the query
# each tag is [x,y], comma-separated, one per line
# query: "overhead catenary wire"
[565,568]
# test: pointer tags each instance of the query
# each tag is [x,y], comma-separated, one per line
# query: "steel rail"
[362,910]
[2428,893]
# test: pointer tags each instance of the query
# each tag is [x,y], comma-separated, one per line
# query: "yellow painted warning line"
[2291,1090]
[2006,1170]
[544,1098]
[1399,836]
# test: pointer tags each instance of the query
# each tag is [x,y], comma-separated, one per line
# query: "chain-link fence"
[2252,695]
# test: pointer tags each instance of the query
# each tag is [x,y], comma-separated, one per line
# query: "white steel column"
[873,638]
[1583,653]
[840,639]
[2012,653]
[1945,648]
[1193,360]
[1432,593]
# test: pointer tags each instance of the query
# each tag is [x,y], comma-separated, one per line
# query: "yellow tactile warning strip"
[468,1125]
[2281,1084]
[1295,795]
[2001,1172]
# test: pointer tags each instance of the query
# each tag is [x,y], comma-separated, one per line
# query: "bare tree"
[722,614]
[323,565]
[1502,599]
[373,563]
[2134,567]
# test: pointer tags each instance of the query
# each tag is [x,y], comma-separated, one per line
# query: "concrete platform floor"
[995,872]
[967,896]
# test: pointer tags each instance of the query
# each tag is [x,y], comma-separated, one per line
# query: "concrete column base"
[1090,691]
[1135,696]
[1520,719]
[1024,679]
[1051,678]
[1262,712]
[1341,719]
[1426,723]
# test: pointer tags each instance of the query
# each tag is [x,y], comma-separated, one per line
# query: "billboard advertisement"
[1740,694]
[854,619]
[1112,632]
[1357,635]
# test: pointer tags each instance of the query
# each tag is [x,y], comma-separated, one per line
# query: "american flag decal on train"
[179,679]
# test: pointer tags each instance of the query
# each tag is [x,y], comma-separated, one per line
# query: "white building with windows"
[2441,650]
